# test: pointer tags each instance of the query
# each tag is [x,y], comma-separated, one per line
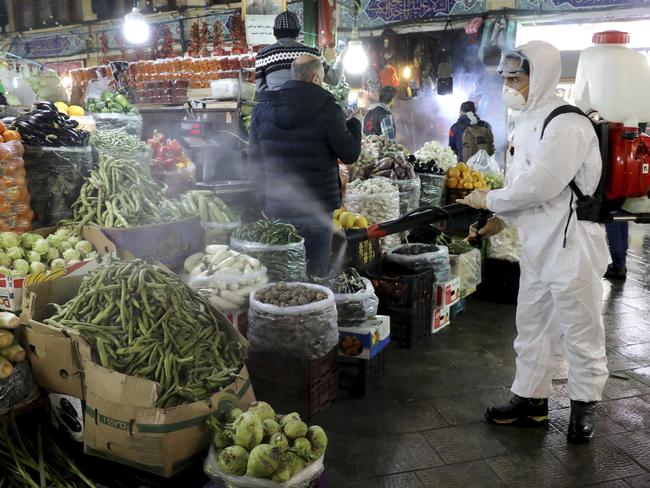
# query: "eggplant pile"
[46,126]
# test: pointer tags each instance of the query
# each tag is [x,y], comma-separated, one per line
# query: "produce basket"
[408,300]
[303,479]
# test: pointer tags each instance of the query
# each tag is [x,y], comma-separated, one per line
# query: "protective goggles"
[512,63]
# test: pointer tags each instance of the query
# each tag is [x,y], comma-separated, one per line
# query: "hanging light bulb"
[406,72]
[355,61]
[136,27]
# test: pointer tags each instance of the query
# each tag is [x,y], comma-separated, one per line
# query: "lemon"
[76,110]
[452,183]
[454,173]
[337,225]
[338,212]
[462,166]
[361,222]
[61,107]
[346,219]
[468,186]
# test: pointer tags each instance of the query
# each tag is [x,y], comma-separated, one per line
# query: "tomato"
[10,135]
[174,147]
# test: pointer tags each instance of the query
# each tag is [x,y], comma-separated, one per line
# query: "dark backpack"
[475,138]
[592,208]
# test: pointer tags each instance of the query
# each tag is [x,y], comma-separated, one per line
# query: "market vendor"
[273,63]
[379,120]
[563,259]
[297,135]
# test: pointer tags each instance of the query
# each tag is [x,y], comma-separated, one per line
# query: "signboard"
[259,16]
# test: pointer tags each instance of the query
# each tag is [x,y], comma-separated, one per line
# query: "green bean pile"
[142,320]
[121,193]
[117,141]
[349,281]
[258,238]
[30,458]
[268,231]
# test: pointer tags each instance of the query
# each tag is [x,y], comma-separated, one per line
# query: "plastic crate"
[408,300]
[354,254]
[301,372]
[307,400]
[359,376]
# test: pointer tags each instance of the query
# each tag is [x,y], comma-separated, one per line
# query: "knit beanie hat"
[468,107]
[287,24]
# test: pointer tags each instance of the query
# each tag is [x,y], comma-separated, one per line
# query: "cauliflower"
[37,267]
[9,240]
[71,255]
[27,240]
[52,254]
[33,257]
[21,267]
[40,246]
[57,263]
[15,253]
[54,241]
[4,259]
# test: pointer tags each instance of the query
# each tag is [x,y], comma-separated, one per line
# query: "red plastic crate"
[275,367]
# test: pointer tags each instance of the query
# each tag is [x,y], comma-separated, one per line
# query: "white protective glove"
[476,199]
[493,226]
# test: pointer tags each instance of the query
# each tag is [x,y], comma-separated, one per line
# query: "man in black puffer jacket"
[297,135]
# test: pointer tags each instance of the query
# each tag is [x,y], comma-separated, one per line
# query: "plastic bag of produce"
[131,123]
[432,189]
[377,199]
[55,176]
[284,262]
[179,178]
[467,267]
[483,163]
[303,479]
[505,246]
[417,257]
[307,331]
[15,212]
[353,308]
[18,389]
[409,195]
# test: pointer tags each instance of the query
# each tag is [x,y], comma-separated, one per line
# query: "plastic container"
[613,80]
[408,300]
[227,89]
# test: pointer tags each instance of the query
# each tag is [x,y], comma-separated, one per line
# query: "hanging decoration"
[103,48]
[155,39]
[195,40]
[238,35]
[473,29]
[204,52]
[326,23]
[218,39]
[167,49]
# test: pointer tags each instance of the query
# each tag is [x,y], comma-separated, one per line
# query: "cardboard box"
[121,422]
[367,340]
[56,358]
[167,243]
[12,289]
[122,425]
[441,318]
[447,293]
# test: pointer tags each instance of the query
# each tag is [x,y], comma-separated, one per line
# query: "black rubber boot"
[581,424]
[520,410]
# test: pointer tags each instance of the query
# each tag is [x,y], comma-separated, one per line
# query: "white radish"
[8,320]
[215,248]
[221,303]
[192,261]
[233,297]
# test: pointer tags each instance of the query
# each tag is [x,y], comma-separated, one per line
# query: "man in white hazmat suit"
[563,259]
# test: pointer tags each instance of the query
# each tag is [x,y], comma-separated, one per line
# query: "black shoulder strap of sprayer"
[561,110]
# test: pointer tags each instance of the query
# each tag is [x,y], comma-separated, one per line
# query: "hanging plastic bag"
[303,332]
[353,308]
[467,267]
[18,389]
[303,479]
[505,246]
[432,189]
[409,195]
[284,262]
[483,163]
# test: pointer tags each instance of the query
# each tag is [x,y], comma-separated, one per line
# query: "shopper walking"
[297,135]
[563,259]
[470,134]
[379,120]
[273,63]
[617,237]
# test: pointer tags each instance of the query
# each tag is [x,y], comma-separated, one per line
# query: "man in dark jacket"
[470,134]
[297,135]
[379,120]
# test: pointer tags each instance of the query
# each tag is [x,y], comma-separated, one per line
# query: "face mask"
[513,98]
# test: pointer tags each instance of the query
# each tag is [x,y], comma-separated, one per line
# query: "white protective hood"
[545,69]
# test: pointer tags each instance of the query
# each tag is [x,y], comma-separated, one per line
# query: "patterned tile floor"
[424,427]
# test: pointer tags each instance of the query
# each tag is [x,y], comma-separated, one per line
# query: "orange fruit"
[2,127]
[452,183]
[10,135]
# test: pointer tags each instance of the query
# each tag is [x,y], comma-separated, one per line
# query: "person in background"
[617,236]
[273,63]
[379,120]
[563,259]
[297,134]
[470,134]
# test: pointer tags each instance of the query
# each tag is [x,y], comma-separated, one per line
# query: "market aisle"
[424,427]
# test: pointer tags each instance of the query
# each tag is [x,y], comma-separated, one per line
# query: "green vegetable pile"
[208,206]
[259,444]
[348,282]
[118,141]
[259,239]
[120,193]
[142,320]
[268,231]
[21,255]
[455,245]
[110,103]
[31,458]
